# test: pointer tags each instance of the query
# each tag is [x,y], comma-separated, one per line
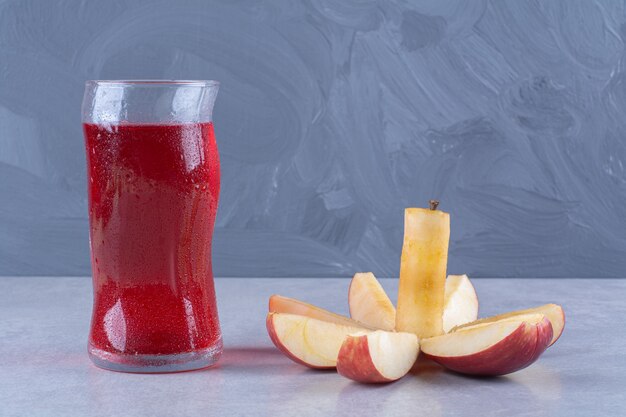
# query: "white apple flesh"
[377,357]
[308,341]
[493,348]
[369,303]
[280,304]
[553,312]
[460,302]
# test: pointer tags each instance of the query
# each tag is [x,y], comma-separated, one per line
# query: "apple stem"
[433,204]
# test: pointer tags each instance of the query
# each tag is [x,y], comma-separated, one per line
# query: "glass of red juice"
[153,184]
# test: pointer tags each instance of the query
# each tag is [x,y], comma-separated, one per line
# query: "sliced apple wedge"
[460,302]
[308,341]
[553,312]
[280,304]
[369,303]
[492,348]
[377,357]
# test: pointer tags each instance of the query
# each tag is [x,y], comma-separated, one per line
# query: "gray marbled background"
[333,116]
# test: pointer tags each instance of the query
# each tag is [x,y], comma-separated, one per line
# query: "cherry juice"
[153,194]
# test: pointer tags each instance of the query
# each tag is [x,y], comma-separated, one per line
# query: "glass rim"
[155,83]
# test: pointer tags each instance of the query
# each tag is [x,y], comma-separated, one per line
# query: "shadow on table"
[426,369]
[434,374]
[265,360]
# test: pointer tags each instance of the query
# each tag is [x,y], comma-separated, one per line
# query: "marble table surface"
[45,370]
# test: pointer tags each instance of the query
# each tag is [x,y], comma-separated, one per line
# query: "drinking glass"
[153,185]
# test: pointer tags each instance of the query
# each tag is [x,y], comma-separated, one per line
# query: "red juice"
[153,197]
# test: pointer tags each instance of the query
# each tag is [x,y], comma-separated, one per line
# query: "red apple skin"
[544,338]
[274,337]
[355,362]
[517,351]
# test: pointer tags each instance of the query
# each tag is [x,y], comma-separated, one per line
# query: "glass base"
[147,364]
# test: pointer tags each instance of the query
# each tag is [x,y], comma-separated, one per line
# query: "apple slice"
[460,302]
[308,341]
[377,357]
[492,348]
[553,312]
[280,304]
[369,303]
